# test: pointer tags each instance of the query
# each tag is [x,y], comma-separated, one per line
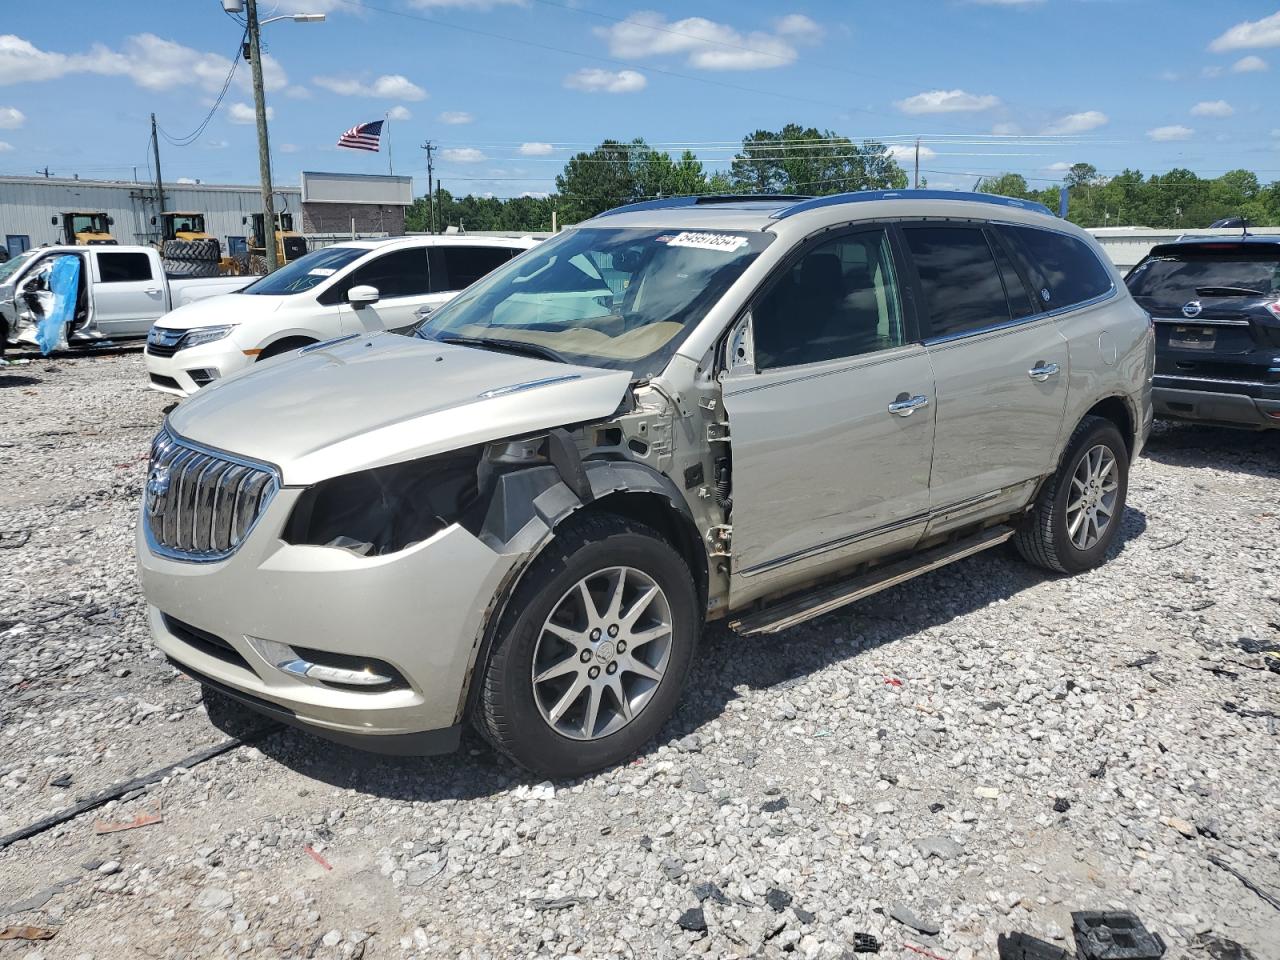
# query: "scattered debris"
[944,848]
[779,900]
[314,855]
[12,539]
[865,943]
[62,781]
[937,807]
[986,793]
[559,903]
[1114,935]
[37,899]
[26,933]
[1182,826]
[709,891]
[1020,946]
[1170,544]
[893,681]
[693,920]
[545,790]
[141,820]
[905,916]
[1262,892]
[923,952]
[1220,948]
[774,806]
[1145,661]
[1061,805]
[1097,772]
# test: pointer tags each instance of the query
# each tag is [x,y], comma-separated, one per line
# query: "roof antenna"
[1244,227]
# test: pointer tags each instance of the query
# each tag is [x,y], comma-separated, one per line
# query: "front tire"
[1077,514]
[592,652]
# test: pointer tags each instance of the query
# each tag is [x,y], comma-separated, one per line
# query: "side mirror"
[243,221]
[54,221]
[111,221]
[362,295]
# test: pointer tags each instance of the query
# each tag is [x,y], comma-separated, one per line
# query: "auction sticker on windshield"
[724,242]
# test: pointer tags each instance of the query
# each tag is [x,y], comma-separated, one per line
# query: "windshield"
[621,298]
[1173,281]
[88,223]
[306,272]
[11,267]
[188,223]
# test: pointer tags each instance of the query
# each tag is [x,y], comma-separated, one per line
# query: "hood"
[377,399]
[217,311]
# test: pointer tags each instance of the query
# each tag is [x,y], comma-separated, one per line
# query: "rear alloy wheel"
[1077,514]
[591,654]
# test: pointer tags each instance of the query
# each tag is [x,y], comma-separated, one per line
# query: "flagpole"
[391,169]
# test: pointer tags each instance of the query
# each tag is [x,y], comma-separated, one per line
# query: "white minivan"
[358,286]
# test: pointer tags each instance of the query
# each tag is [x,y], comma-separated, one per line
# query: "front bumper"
[420,611]
[186,371]
[1217,405]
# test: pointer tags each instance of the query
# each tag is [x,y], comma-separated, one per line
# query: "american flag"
[363,136]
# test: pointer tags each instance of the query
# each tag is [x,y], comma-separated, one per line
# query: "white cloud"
[1006,130]
[399,112]
[215,144]
[1250,33]
[149,61]
[1174,132]
[1170,76]
[1212,108]
[456,117]
[1060,167]
[5,147]
[288,147]
[244,113]
[535,194]
[798,27]
[536,149]
[1210,72]
[707,44]
[905,153]
[1249,64]
[948,101]
[463,155]
[11,118]
[391,86]
[595,80]
[1078,122]
[297,92]
[187,180]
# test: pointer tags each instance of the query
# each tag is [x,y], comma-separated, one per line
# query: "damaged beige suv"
[750,408]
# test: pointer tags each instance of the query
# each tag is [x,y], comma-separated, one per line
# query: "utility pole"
[915,184]
[264,149]
[155,148]
[431,194]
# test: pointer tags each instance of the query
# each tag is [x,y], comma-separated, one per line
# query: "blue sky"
[508,89]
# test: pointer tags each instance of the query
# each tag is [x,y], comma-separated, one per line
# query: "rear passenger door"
[999,366]
[830,415]
[454,267]
[127,294]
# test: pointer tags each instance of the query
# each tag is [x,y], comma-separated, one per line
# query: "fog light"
[203,376]
[317,671]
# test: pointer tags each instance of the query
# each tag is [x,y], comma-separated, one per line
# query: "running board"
[787,613]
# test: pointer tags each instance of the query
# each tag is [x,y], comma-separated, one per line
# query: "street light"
[260,108]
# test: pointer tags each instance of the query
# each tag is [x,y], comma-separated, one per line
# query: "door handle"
[152,290]
[906,405]
[424,311]
[1043,371]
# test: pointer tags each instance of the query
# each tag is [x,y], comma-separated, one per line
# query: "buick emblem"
[157,487]
[1192,309]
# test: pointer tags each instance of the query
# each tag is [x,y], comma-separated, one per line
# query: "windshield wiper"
[1227,292]
[509,346]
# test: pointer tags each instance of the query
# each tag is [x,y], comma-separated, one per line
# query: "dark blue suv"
[1216,307]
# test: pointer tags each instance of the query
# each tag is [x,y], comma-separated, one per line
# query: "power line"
[195,134]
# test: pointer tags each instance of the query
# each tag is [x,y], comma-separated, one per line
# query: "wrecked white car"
[118,293]
[757,409]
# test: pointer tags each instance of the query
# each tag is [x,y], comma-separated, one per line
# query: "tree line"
[805,160]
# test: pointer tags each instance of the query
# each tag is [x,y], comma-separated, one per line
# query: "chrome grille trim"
[200,504]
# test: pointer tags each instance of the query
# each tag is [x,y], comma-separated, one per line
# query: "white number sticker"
[723,242]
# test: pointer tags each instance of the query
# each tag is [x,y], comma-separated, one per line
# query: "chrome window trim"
[1111,293]
[1199,322]
[273,486]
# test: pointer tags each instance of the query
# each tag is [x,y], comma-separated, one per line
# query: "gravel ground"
[981,751]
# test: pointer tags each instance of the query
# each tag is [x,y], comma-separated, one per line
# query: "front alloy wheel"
[1092,499]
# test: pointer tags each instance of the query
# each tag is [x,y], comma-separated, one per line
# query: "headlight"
[386,509]
[198,335]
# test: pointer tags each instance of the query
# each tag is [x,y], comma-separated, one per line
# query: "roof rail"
[692,200]
[863,196]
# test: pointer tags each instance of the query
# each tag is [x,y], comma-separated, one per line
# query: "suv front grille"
[200,505]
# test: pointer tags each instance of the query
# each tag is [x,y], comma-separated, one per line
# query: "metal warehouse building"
[27,204]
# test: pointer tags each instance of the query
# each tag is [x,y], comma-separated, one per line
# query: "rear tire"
[537,656]
[1078,512]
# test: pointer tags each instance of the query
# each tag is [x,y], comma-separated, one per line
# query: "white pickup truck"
[123,290]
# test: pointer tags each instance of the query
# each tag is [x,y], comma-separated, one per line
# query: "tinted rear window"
[1172,281]
[961,281]
[1061,266]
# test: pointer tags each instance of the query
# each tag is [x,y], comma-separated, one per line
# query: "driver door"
[831,416]
[403,283]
